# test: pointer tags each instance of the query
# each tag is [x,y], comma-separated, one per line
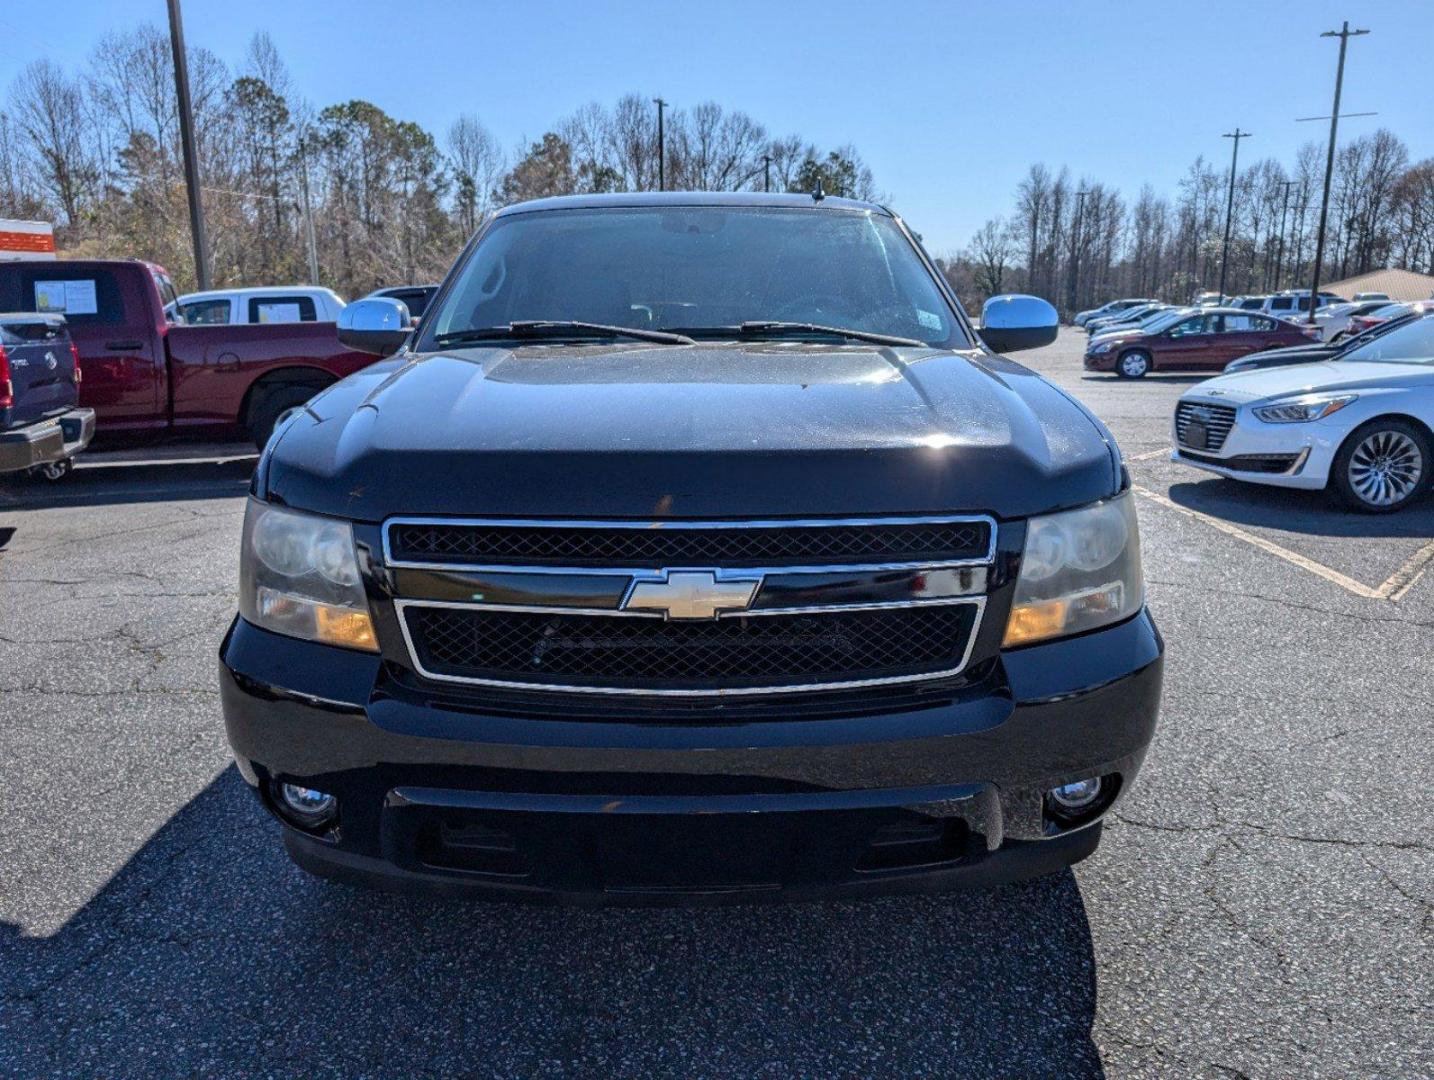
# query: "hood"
[716,430]
[1329,376]
[1119,333]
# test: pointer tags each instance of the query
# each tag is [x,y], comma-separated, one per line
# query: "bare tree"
[49,108]
[477,163]
[714,150]
[990,253]
[632,143]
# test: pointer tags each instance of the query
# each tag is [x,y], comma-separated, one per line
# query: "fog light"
[1073,798]
[305,806]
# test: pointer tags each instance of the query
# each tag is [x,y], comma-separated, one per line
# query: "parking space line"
[1384,592]
[1403,579]
[1163,451]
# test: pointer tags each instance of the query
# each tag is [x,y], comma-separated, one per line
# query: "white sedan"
[1361,426]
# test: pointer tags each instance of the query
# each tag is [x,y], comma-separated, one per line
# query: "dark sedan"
[1313,351]
[1205,341]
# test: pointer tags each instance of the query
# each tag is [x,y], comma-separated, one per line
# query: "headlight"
[1298,410]
[1103,348]
[298,575]
[1080,570]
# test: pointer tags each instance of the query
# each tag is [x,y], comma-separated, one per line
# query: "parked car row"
[1356,421]
[155,364]
[1289,304]
[1345,404]
[1115,307]
[1129,317]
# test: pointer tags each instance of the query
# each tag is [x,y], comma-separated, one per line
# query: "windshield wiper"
[559,328]
[768,328]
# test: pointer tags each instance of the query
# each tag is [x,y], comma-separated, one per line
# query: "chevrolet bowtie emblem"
[690,594]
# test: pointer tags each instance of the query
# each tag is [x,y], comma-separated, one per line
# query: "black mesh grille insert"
[569,545]
[651,654]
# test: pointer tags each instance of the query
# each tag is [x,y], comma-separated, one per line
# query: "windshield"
[1411,344]
[693,267]
[1161,319]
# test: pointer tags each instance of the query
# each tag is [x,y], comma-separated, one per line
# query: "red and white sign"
[26,239]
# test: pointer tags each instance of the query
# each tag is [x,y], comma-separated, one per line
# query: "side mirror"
[379,325]
[1014,321]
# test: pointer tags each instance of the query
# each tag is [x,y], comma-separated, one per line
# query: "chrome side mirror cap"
[378,325]
[1015,321]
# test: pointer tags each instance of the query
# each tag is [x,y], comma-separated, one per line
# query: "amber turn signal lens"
[343,626]
[1035,622]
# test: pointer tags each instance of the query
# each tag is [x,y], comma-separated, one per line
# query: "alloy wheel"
[1385,468]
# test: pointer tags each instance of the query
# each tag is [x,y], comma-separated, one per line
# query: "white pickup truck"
[272,304]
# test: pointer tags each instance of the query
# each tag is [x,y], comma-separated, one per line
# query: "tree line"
[1081,243]
[387,202]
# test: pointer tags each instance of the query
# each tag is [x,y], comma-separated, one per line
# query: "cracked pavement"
[1260,905]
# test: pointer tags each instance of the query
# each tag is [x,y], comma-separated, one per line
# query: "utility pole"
[1344,34]
[661,147]
[766,172]
[186,138]
[1237,135]
[1075,247]
[1284,207]
[308,209]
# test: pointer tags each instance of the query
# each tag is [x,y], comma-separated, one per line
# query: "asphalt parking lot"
[1260,905]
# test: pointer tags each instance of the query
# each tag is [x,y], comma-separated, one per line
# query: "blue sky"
[948,102]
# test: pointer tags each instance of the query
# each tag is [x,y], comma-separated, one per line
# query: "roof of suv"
[691,198]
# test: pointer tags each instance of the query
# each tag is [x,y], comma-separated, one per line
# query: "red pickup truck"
[146,375]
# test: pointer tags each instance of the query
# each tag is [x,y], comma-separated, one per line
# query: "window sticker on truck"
[279,313]
[68,297]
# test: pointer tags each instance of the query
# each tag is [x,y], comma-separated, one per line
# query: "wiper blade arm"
[539,328]
[766,328]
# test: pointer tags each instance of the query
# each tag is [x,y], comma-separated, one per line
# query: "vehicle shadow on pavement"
[208,953]
[1293,510]
[1158,377]
[128,484]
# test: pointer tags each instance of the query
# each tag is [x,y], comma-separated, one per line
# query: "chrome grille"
[484,602]
[1217,421]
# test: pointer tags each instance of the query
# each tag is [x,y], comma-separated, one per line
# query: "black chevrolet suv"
[691,547]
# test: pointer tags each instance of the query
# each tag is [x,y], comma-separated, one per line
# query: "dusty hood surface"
[715,430]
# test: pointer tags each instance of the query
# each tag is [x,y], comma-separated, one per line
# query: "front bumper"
[1100,361]
[55,438]
[1309,448]
[882,794]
